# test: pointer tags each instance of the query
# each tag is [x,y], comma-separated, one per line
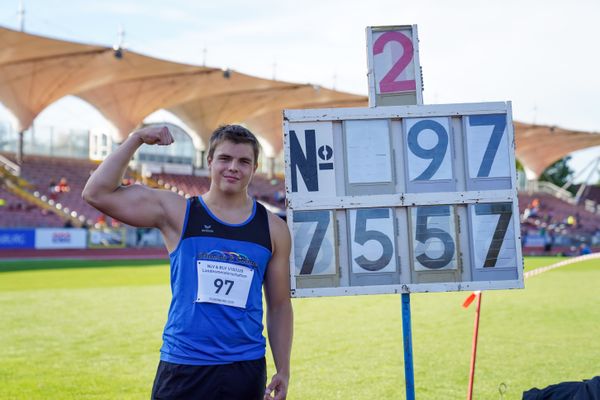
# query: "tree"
[519,166]
[558,173]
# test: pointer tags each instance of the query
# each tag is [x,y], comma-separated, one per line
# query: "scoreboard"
[401,199]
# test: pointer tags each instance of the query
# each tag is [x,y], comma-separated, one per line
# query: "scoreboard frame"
[431,235]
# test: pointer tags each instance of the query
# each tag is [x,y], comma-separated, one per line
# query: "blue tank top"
[217,271]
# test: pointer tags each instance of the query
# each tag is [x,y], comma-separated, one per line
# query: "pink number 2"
[389,83]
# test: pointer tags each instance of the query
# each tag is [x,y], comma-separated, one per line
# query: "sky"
[541,55]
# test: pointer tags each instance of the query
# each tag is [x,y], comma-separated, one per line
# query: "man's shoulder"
[173,203]
[274,219]
[278,228]
[170,195]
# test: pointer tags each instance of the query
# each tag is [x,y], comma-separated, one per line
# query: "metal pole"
[474,348]
[21,14]
[409,375]
[20,148]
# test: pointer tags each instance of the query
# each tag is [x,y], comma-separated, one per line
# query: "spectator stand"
[53,184]
[16,212]
[552,222]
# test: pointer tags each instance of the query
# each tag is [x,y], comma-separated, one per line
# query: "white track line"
[538,271]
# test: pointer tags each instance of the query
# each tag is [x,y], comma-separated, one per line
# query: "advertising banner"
[17,238]
[67,238]
[106,238]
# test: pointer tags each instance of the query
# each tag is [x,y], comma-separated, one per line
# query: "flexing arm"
[279,308]
[135,205]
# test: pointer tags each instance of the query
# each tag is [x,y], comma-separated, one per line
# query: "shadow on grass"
[33,265]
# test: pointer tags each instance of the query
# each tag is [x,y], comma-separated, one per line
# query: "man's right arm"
[136,205]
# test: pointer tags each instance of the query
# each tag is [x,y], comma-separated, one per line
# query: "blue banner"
[17,238]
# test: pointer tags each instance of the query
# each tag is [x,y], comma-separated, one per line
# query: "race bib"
[223,283]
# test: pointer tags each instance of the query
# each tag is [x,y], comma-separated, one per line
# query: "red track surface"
[87,254]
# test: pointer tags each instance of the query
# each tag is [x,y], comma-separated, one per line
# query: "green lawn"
[93,333]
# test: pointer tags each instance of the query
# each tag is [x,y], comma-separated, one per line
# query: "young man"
[223,247]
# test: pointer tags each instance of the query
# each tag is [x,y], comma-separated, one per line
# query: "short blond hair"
[235,134]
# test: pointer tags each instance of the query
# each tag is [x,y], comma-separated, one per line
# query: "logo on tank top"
[228,256]
[207,229]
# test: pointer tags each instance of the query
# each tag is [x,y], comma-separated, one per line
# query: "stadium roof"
[539,146]
[126,87]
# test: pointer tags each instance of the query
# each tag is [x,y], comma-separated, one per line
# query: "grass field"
[92,330]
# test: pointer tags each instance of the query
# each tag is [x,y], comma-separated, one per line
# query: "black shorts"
[244,380]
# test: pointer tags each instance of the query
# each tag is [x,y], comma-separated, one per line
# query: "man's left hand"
[277,389]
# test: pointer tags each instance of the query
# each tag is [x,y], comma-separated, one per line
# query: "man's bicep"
[135,205]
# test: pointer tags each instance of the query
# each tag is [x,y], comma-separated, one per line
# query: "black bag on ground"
[585,390]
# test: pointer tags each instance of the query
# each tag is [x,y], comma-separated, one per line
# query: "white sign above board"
[393,60]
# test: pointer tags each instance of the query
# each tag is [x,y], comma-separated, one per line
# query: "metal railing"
[551,189]
[560,193]
[10,166]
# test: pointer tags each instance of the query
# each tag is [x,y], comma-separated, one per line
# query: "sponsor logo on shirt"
[207,229]
[228,256]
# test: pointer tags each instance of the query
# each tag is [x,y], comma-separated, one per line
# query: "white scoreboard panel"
[402,199]
[393,60]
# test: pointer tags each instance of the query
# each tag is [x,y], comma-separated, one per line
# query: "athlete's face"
[232,166]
